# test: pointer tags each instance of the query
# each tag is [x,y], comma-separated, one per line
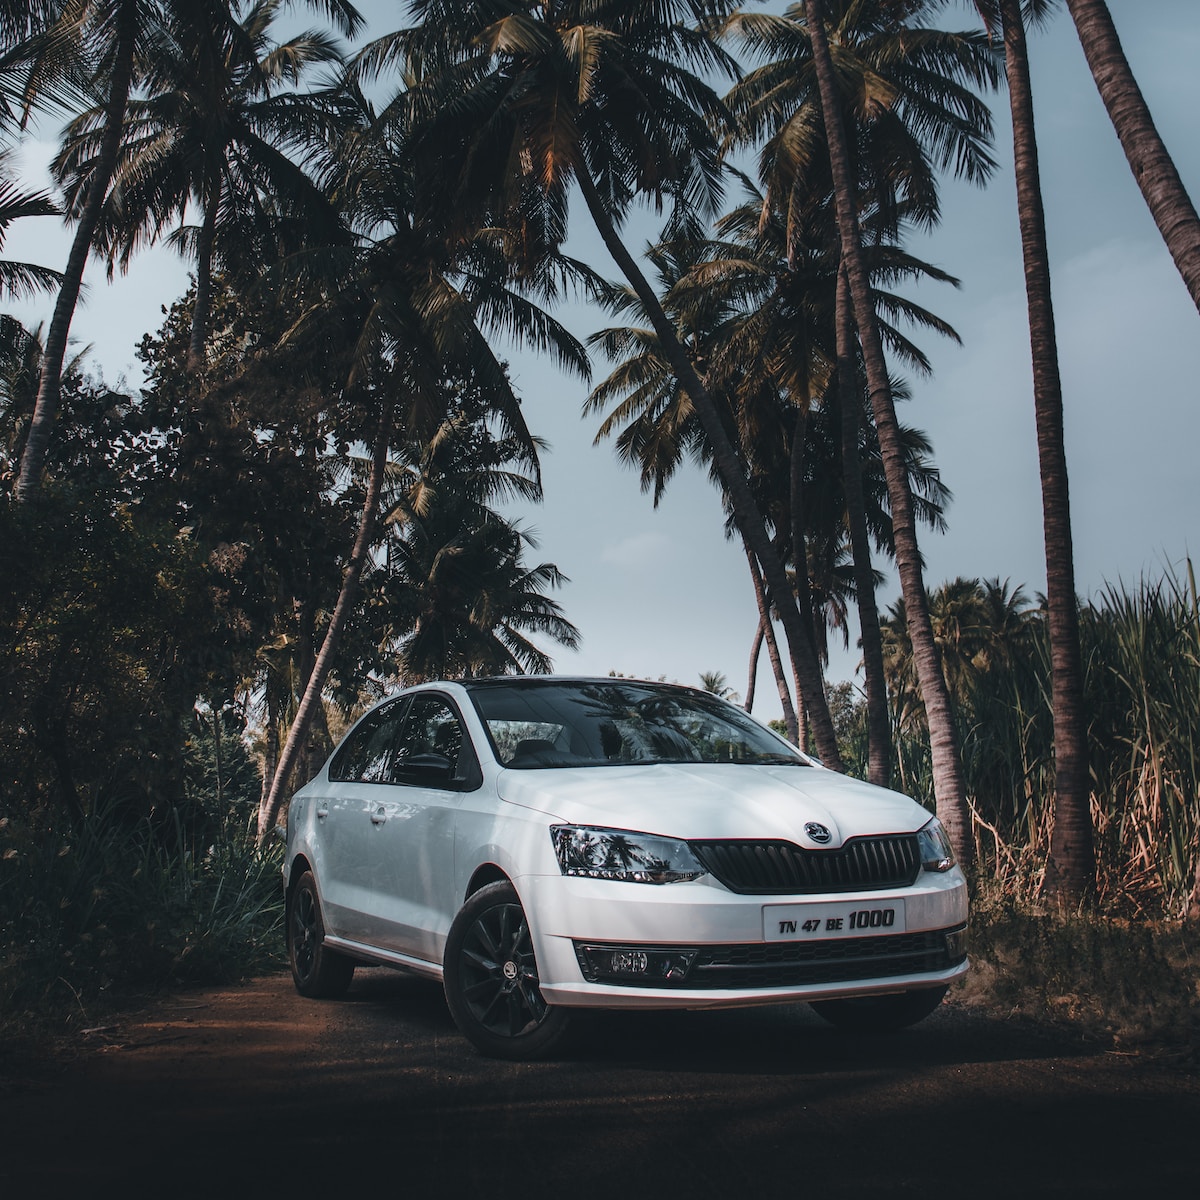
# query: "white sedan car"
[542,844]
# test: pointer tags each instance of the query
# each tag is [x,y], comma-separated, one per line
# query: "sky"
[661,593]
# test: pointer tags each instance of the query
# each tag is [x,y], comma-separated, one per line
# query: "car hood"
[694,801]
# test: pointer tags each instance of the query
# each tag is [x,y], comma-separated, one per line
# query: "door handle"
[379,816]
[322,813]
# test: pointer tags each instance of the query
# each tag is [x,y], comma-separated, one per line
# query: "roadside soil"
[238,1090]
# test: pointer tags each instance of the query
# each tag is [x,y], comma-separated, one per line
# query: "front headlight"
[934,845]
[623,855]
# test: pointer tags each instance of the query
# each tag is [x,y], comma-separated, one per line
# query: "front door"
[410,846]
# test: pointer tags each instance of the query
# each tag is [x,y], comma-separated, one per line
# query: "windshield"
[601,723]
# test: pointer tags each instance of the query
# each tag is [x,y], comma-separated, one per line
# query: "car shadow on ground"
[767,1040]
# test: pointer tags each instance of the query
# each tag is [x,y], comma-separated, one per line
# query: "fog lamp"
[637,965]
[628,962]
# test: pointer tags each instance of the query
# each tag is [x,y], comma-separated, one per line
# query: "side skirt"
[386,958]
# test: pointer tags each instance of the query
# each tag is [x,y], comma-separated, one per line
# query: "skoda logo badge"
[817,832]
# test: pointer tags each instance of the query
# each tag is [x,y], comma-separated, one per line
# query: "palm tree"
[112,43]
[654,421]
[517,101]
[110,34]
[457,598]
[1071,866]
[419,302]
[461,601]
[20,19]
[212,132]
[21,352]
[849,396]
[20,362]
[19,278]
[783,273]
[1151,164]
[949,784]
[39,68]
[760,316]
[715,683]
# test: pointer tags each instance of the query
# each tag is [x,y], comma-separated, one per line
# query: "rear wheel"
[879,1014]
[491,979]
[316,970]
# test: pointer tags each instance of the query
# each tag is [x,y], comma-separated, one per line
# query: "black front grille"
[792,964]
[782,868]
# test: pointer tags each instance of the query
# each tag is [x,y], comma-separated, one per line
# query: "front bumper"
[710,943]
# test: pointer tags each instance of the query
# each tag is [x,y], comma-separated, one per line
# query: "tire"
[316,970]
[491,979]
[880,1014]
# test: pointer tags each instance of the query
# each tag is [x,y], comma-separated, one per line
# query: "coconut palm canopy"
[1111,247]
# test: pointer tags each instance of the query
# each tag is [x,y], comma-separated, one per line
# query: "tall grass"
[1144,667]
[110,909]
[1141,649]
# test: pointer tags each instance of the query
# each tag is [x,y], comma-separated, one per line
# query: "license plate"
[845,919]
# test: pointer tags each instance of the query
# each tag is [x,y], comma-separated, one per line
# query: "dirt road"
[255,1090]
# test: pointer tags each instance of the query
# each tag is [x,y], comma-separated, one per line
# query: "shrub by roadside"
[1135,984]
[106,911]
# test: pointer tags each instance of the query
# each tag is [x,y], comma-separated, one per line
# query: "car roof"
[536,681]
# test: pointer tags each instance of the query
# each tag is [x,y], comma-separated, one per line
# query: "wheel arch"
[483,875]
[299,865]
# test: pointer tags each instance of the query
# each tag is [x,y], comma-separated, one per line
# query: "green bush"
[103,911]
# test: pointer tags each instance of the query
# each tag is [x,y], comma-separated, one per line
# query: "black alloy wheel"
[317,971]
[491,979]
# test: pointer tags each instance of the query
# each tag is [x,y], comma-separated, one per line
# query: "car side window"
[366,755]
[430,744]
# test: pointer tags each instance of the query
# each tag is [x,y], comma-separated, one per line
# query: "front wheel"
[316,970]
[491,979]
[880,1014]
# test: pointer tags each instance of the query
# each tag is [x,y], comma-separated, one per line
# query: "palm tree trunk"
[1071,867]
[755,653]
[802,724]
[49,396]
[800,561]
[764,623]
[879,729]
[732,472]
[799,541]
[948,783]
[204,254]
[271,750]
[351,577]
[1152,166]
[306,656]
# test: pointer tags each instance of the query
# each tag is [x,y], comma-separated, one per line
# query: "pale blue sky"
[662,593]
